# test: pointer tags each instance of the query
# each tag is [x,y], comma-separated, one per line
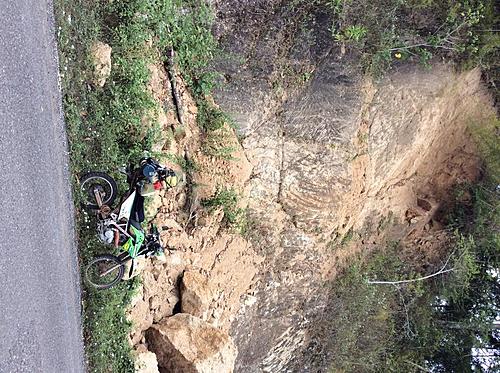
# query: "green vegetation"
[347,238]
[214,146]
[384,33]
[227,199]
[211,118]
[385,222]
[187,164]
[217,126]
[389,31]
[352,33]
[486,134]
[432,323]
[114,125]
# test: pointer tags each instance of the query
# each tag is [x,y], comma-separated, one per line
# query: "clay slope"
[336,156]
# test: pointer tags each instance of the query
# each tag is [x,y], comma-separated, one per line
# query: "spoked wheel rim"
[104,271]
[102,185]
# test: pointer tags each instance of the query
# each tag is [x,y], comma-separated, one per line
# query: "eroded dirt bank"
[338,155]
[408,147]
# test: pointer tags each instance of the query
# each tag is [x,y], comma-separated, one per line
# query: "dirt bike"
[121,226]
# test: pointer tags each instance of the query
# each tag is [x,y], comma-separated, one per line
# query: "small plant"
[217,140]
[213,149]
[385,222]
[211,118]
[227,199]
[302,78]
[220,144]
[188,165]
[336,5]
[355,33]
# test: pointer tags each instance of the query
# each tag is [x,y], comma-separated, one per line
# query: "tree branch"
[440,272]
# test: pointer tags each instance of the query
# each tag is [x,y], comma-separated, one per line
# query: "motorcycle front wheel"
[101,183]
[104,271]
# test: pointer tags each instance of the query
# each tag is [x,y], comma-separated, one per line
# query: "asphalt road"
[40,317]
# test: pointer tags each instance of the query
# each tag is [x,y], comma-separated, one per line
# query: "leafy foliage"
[420,29]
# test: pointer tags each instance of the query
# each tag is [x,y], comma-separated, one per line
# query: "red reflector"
[157,185]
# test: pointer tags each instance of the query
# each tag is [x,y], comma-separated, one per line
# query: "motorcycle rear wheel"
[104,271]
[104,183]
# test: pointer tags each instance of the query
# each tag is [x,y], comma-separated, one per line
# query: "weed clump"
[227,200]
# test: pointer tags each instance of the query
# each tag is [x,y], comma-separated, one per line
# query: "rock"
[140,348]
[171,223]
[250,300]
[137,297]
[145,362]
[187,344]
[216,313]
[173,260]
[141,318]
[154,302]
[181,199]
[195,294]
[160,258]
[172,299]
[101,58]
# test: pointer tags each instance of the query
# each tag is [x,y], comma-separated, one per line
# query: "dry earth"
[336,155]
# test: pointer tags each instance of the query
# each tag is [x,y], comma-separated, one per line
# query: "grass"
[227,200]
[382,34]
[187,164]
[217,126]
[116,124]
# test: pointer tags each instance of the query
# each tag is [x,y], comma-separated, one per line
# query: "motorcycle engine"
[107,236]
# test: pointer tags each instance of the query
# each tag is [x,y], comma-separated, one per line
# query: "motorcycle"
[121,226]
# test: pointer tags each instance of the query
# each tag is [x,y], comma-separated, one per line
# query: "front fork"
[97,196]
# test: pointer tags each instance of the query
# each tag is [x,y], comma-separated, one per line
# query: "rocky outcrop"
[186,344]
[197,245]
[195,294]
[336,154]
[145,361]
[101,58]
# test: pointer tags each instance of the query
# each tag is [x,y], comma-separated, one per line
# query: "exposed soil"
[338,156]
